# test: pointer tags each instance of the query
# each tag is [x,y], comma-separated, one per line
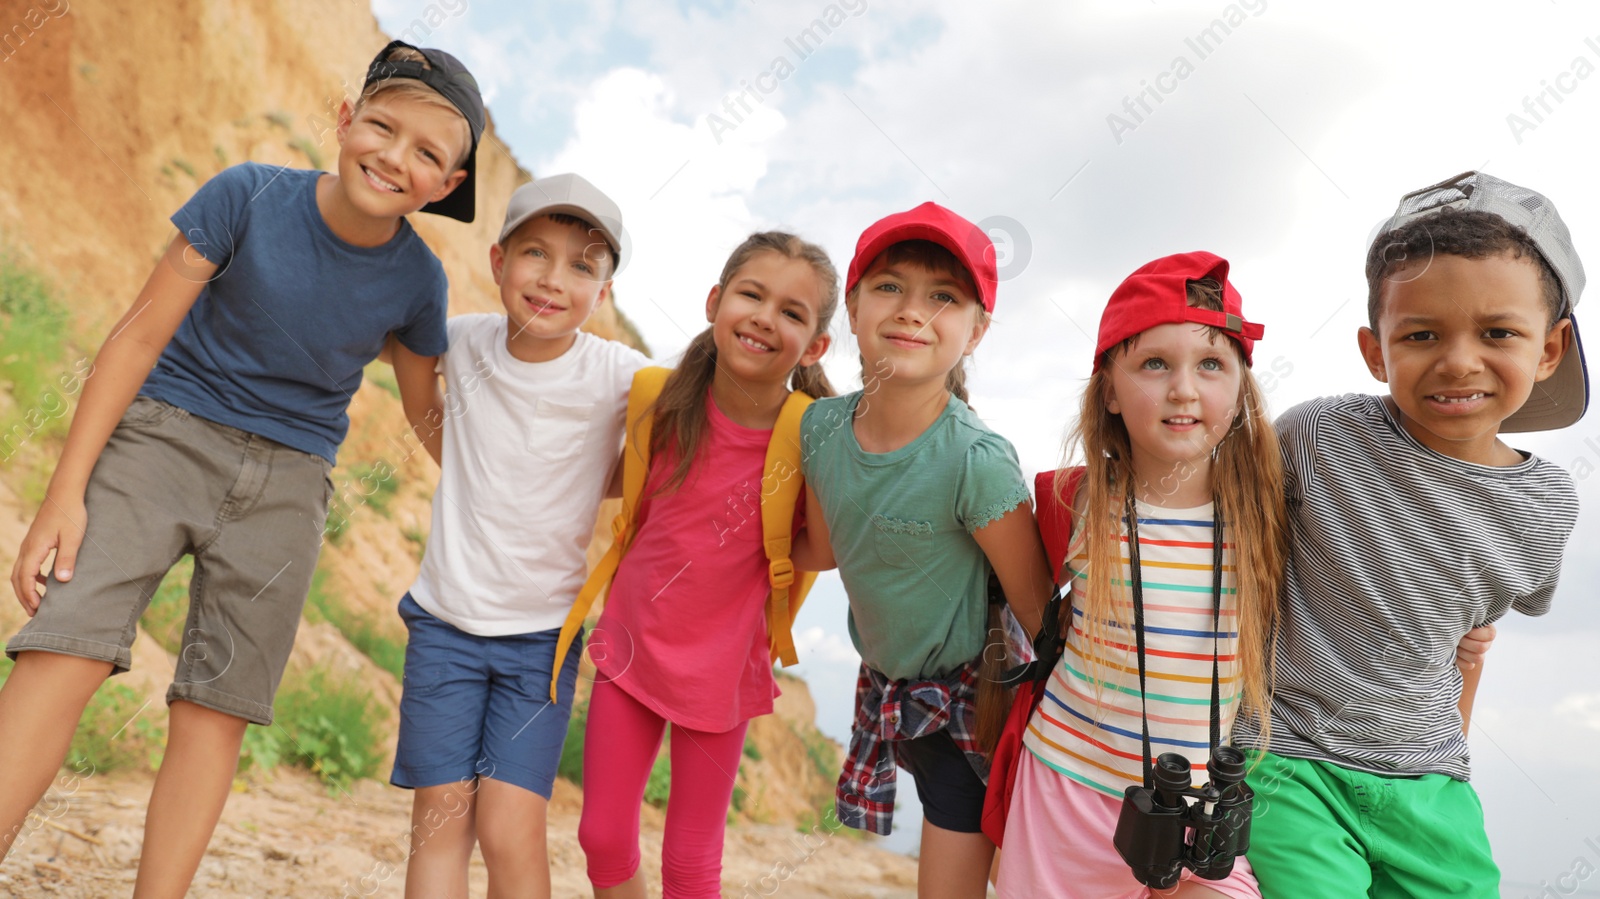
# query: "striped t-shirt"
[1396,552]
[1087,727]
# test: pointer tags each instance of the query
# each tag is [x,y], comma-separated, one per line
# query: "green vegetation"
[377,484]
[363,631]
[824,757]
[221,155]
[35,341]
[323,723]
[628,329]
[304,145]
[109,737]
[418,538]
[570,767]
[169,607]
[751,750]
[280,118]
[381,375]
[184,166]
[363,484]
[825,820]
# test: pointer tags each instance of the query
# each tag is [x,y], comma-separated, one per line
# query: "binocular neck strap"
[1136,582]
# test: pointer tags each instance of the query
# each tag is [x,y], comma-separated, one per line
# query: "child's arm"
[420,394]
[812,550]
[1470,653]
[120,368]
[1012,544]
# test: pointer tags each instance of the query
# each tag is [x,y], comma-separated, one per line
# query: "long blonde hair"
[1247,481]
[680,410]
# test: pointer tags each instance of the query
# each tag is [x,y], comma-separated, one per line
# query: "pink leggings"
[619,748]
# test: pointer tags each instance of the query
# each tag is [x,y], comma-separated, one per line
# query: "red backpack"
[1055,528]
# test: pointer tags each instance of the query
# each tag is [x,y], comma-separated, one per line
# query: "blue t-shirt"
[276,341]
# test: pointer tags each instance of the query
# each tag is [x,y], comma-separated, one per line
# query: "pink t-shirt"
[684,629]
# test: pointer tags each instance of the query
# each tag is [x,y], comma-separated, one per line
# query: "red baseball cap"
[932,222]
[1157,294]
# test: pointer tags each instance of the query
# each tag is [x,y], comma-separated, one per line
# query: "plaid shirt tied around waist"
[890,711]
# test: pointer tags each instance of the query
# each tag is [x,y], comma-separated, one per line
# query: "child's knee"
[612,850]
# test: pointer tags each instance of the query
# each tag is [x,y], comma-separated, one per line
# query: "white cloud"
[1582,708]
[817,646]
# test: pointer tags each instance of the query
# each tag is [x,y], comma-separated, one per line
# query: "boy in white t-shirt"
[533,418]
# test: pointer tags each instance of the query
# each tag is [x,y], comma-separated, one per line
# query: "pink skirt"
[1058,843]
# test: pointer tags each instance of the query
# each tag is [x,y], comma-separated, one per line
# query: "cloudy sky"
[1090,138]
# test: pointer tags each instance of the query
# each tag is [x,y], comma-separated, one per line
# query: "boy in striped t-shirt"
[1412,523]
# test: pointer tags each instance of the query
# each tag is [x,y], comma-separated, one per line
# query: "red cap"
[1157,294]
[932,222]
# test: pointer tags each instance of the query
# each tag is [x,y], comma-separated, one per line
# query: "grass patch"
[183,165]
[163,619]
[221,156]
[280,118]
[659,786]
[113,733]
[825,821]
[35,337]
[364,484]
[381,375]
[630,330]
[418,538]
[362,630]
[824,757]
[304,145]
[751,750]
[323,723]
[571,765]
[377,484]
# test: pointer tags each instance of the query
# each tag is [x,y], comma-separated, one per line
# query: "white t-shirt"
[528,451]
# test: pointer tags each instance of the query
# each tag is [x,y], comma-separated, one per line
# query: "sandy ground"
[285,836]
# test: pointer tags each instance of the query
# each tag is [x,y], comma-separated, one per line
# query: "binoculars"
[1172,825]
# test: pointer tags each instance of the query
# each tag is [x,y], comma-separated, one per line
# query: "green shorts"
[1324,832]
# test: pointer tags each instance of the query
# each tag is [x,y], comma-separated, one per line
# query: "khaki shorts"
[250,510]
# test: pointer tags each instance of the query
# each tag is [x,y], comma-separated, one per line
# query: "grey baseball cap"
[571,195]
[1561,399]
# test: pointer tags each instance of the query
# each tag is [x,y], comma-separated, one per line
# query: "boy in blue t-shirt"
[208,428]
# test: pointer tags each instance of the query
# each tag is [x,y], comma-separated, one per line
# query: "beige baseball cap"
[571,195]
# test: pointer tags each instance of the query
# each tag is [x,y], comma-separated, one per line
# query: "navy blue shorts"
[475,706]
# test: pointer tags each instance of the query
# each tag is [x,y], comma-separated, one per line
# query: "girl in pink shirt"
[683,638]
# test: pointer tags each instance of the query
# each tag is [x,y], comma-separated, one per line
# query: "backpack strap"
[1055,515]
[647,384]
[781,488]
[1055,520]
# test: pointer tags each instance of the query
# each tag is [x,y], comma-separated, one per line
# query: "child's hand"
[1474,646]
[58,526]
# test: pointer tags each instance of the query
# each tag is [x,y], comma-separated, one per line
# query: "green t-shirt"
[901,526]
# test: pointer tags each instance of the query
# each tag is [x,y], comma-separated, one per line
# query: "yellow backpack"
[781,488]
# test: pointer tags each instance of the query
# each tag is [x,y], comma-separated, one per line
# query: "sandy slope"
[285,836]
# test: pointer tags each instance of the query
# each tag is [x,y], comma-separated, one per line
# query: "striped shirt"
[1396,552]
[1087,727]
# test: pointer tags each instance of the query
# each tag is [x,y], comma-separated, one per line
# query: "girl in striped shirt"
[1179,454]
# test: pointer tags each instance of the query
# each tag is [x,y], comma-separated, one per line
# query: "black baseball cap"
[446,75]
